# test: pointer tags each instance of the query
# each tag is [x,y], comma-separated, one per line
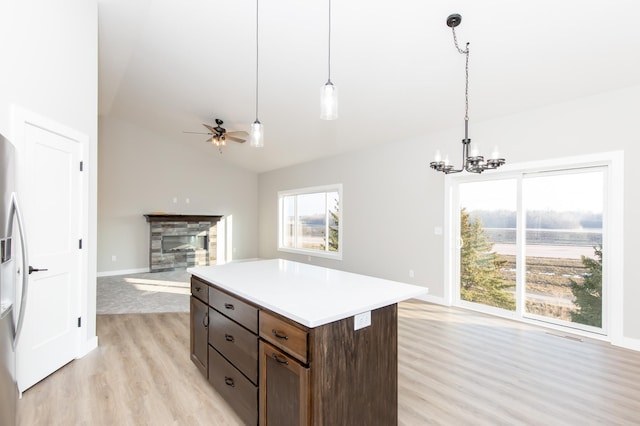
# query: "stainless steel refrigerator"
[13,282]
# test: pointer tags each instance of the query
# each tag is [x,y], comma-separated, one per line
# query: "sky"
[577,191]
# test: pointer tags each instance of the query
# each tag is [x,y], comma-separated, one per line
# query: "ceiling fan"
[219,134]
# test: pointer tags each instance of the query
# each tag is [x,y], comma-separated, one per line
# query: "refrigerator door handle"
[15,210]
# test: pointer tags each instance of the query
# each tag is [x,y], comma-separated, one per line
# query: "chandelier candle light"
[472,161]
[329,92]
[256,134]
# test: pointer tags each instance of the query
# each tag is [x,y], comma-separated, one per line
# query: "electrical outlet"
[114,258]
[411,274]
[175,200]
[362,320]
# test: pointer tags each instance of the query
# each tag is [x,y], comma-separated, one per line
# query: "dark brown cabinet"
[234,387]
[235,343]
[284,388]
[331,374]
[199,334]
[275,371]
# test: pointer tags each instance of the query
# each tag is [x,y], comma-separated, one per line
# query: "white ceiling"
[169,66]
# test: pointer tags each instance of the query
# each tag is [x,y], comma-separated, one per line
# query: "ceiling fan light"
[256,135]
[329,101]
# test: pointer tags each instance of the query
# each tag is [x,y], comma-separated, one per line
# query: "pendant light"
[256,134]
[472,161]
[329,92]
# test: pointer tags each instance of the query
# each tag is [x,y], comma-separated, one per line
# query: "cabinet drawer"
[199,289]
[284,335]
[239,311]
[237,390]
[236,343]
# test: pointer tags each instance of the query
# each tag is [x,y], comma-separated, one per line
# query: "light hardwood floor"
[455,368]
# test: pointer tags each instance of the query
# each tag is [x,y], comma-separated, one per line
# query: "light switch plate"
[362,320]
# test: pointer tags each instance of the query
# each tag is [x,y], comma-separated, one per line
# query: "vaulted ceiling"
[169,66]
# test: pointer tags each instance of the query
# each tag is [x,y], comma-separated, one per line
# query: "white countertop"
[310,295]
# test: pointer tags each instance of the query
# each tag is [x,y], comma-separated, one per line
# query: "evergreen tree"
[588,295]
[480,281]
[333,228]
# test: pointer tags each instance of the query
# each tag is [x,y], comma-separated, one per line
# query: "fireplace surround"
[179,241]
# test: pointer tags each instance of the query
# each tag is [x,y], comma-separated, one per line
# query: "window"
[309,221]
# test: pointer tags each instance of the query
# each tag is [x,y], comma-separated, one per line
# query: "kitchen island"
[290,343]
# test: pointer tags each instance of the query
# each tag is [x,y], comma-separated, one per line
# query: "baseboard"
[122,272]
[89,345]
[433,299]
[628,343]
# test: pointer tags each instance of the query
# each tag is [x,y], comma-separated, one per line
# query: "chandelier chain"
[466,70]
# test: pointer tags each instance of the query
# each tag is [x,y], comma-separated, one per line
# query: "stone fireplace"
[181,241]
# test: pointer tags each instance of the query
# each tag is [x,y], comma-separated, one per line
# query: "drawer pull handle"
[279,334]
[205,321]
[197,288]
[229,306]
[280,359]
[229,338]
[229,381]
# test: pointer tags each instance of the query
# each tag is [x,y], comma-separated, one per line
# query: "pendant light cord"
[329,61]
[257,14]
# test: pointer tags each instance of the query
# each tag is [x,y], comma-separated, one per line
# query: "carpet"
[149,292]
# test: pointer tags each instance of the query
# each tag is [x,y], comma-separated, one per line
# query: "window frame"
[336,255]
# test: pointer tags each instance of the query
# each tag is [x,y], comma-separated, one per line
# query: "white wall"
[392,200]
[141,172]
[50,67]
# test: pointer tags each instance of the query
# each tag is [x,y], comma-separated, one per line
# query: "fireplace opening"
[182,243]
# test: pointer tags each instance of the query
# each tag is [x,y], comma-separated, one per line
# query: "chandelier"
[472,161]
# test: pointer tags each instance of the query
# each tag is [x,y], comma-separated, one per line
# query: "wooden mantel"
[169,217]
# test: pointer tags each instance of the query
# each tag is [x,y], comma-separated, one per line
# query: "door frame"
[21,118]
[612,257]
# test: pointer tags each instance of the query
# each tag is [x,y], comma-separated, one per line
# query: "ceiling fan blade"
[239,134]
[235,139]
[197,133]
[211,129]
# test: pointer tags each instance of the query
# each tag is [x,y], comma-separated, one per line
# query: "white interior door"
[53,212]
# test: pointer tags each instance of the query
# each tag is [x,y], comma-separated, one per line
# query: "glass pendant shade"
[256,135]
[329,101]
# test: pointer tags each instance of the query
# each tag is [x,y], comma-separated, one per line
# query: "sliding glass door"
[532,244]
[563,250]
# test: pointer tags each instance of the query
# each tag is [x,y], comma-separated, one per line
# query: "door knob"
[32,269]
